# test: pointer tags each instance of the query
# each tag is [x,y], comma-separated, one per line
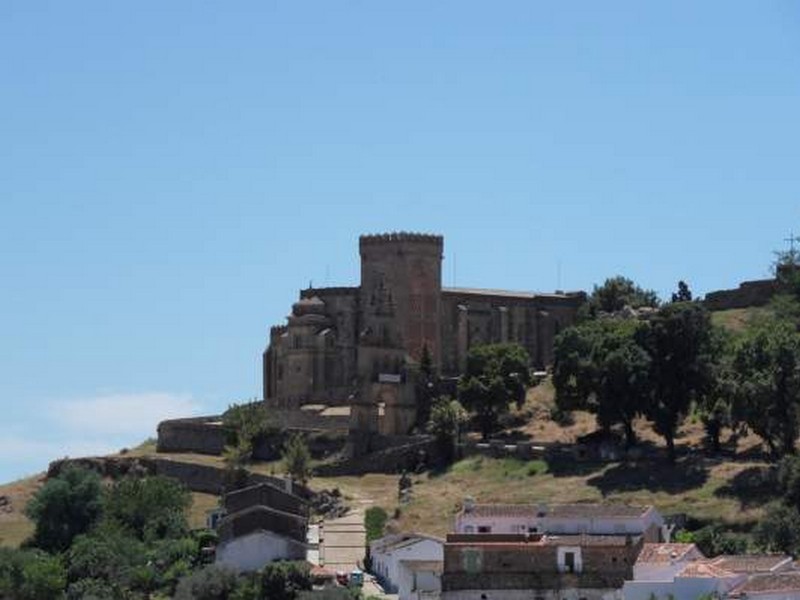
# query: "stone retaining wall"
[417,451]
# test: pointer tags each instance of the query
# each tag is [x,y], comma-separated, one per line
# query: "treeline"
[130,539]
[671,361]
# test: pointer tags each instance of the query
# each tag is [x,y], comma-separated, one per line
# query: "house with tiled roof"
[681,572]
[263,523]
[564,519]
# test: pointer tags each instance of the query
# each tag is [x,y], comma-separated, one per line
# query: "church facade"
[342,345]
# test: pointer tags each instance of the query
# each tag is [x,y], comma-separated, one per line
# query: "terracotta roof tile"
[665,553]
[753,563]
[769,582]
[560,511]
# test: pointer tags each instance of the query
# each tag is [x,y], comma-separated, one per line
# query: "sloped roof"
[705,569]
[666,553]
[558,511]
[769,582]
[753,563]
[398,540]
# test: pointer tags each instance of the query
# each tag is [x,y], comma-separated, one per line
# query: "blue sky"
[171,173]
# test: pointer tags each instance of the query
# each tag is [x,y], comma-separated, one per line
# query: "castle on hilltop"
[361,346]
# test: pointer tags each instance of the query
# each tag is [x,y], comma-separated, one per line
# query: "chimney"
[469,504]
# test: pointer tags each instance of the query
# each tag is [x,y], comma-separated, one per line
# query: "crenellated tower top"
[401,236]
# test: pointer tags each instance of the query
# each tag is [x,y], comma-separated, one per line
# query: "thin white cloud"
[89,426]
[110,415]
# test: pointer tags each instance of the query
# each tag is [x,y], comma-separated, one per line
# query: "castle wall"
[531,320]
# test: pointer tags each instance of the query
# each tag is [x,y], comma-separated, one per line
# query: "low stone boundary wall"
[203,435]
[198,478]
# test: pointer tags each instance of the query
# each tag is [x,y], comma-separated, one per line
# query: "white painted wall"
[564,594]
[385,563]
[410,582]
[251,552]
[521,524]
[681,588]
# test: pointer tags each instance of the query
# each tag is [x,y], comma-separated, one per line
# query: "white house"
[407,563]
[661,562]
[255,536]
[567,519]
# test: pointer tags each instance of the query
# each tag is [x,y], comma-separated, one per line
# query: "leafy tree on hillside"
[31,575]
[447,420]
[209,583]
[779,529]
[599,367]
[682,354]
[496,375]
[297,459]
[684,294]
[247,425]
[767,368]
[150,507]
[66,506]
[618,292]
[284,580]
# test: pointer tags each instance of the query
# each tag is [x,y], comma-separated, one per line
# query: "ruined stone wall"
[394,459]
[749,293]
[204,435]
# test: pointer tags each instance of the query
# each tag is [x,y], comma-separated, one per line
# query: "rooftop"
[753,563]
[504,293]
[769,582]
[666,553]
[704,569]
[558,511]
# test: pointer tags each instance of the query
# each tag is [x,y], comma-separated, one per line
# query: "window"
[469,529]
[484,529]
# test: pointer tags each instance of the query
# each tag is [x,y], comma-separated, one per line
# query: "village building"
[262,524]
[408,564]
[681,572]
[361,346]
[536,566]
[588,519]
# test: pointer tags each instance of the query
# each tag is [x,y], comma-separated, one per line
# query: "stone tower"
[401,285]
[400,296]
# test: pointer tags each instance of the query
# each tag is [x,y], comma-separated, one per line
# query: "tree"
[767,368]
[679,341]
[246,426]
[31,575]
[618,292]
[426,388]
[297,459]
[66,506]
[718,408]
[447,420]
[684,294]
[209,583]
[284,580]
[600,367]
[496,375]
[375,519]
[779,529]
[788,479]
[105,558]
[151,507]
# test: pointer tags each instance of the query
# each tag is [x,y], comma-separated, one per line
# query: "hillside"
[703,487]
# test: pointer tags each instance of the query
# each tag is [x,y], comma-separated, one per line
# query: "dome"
[308,306]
